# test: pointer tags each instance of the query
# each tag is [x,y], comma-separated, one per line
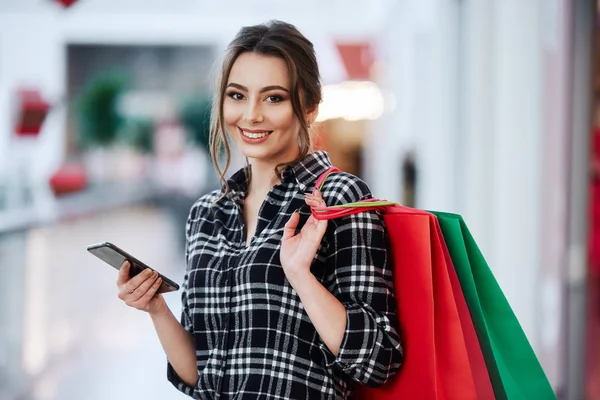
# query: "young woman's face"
[257,109]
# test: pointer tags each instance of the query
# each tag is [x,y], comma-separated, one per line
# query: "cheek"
[284,119]
[231,113]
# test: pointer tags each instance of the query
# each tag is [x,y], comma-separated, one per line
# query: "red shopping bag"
[481,377]
[440,345]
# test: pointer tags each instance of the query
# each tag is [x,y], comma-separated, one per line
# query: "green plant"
[194,114]
[97,116]
[138,133]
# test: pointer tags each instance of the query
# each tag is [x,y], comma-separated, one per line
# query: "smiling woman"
[269,76]
[257,110]
[276,304]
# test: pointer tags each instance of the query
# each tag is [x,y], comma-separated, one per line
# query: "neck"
[263,179]
[263,173]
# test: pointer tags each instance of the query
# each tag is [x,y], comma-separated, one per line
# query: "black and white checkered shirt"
[253,338]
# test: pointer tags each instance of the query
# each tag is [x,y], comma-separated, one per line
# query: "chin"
[263,152]
[254,152]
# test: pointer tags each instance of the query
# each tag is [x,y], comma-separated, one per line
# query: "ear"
[311,115]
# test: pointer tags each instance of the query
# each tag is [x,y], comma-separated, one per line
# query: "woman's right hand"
[140,291]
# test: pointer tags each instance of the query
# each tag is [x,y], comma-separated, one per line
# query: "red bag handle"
[343,210]
[323,176]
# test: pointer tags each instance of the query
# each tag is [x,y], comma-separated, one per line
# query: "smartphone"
[114,256]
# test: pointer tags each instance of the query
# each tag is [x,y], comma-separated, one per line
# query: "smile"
[254,134]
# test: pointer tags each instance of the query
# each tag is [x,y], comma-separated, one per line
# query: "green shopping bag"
[514,369]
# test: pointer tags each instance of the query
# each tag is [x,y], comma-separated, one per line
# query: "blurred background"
[486,108]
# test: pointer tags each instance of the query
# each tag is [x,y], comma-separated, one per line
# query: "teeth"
[255,135]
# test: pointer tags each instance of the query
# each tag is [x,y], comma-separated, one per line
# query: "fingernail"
[297,210]
[148,272]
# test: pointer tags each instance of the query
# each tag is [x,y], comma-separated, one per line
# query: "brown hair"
[277,39]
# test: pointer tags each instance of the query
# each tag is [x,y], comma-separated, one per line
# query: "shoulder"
[201,210]
[343,187]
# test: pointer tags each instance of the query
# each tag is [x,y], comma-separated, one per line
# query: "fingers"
[312,200]
[142,295]
[289,230]
[315,200]
[143,301]
[123,273]
[138,291]
[137,280]
[131,285]
[141,290]
[313,224]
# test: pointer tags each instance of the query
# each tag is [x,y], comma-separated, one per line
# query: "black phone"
[115,257]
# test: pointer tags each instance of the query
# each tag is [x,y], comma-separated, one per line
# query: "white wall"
[556,105]
[516,132]
[31,59]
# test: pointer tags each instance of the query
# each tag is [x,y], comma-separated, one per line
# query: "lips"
[254,133]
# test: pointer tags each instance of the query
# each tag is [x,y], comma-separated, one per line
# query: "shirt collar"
[304,173]
[238,183]
[307,171]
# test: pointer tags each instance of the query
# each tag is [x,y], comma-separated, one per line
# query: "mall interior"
[485,108]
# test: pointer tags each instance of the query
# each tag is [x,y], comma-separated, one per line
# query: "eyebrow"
[263,90]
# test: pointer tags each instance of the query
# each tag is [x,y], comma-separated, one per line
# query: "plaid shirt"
[253,337]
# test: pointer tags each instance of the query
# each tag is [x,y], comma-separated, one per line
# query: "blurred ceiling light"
[352,101]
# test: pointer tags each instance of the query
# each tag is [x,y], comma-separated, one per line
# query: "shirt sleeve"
[186,319]
[361,278]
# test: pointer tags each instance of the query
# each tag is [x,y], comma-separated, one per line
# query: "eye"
[235,95]
[274,98]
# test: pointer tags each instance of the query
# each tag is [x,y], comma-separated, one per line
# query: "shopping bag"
[437,362]
[481,377]
[514,369]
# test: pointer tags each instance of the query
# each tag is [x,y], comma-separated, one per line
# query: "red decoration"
[32,111]
[66,3]
[358,58]
[68,179]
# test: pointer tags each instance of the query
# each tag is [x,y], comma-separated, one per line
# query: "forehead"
[256,71]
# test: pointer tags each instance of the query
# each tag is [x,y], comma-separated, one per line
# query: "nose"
[253,113]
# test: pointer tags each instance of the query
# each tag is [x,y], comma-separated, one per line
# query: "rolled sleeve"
[370,351]
[187,323]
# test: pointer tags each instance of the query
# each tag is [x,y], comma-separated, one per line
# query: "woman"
[270,312]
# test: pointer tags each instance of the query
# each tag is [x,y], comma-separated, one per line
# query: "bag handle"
[323,176]
[343,210]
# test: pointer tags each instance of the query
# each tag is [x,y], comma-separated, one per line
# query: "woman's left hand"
[298,251]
